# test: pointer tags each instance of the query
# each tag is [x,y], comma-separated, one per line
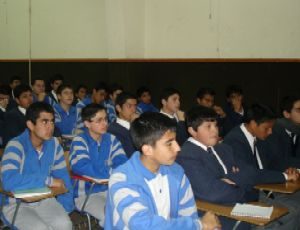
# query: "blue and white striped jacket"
[21,167]
[111,111]
[130,204]
[79,106]
[65,121]
[93,159]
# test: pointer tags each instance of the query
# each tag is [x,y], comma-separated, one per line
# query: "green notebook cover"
[31,192]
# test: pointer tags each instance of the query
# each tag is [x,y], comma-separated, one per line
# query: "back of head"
[203,91]
[90,111]
[259,113]
[149,128]
[21,89]
[35,109]
[123,97]
[287,103]
[199,114]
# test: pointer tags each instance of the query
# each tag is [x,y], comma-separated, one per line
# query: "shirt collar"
[169,115]
[198,143]
[248,135]
[123,123]
[22,110]
[54,94]
[2,109]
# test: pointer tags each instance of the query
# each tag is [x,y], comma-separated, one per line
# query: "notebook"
[31,192]
[252,211]
[98,181]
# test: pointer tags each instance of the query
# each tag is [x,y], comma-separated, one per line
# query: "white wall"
[150,29]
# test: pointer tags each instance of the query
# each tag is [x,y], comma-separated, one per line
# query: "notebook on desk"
[31,192]
[252,211]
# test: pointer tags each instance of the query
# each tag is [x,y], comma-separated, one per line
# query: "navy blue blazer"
[205,174]
[279,143]
[243,153]
[123,136]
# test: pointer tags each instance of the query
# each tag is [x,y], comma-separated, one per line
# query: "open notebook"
[252,211]
[31,192]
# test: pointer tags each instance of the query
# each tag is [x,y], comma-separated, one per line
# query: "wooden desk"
[288,187]
[224,210]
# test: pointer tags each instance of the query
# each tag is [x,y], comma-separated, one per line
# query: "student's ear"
[118,108]
[147,150]
[59,97]
[191,131]
[86,124]
[286,114]
[198,101]
[163,102]
[30,125]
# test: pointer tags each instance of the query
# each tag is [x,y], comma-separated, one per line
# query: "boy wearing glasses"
[94,153]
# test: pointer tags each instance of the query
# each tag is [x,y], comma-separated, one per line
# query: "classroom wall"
[149,29]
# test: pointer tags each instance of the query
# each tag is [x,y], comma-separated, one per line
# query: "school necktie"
[255,153]
[217,159]
[294,139]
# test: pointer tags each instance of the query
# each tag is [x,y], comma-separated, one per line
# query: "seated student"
[65,113]
[98,97]
[211,168]
[34,160]
[144,97]
[284,141]
[113,92]
[206,97]
[234,109]
[150,191]
[94,153]
[14,81]
[14,120]
[80,93]
[55,81]
[247,142]
[126,109]
[39,90]
[4,100]
[170,100]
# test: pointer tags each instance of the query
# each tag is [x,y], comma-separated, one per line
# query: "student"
[170,100]
[80,93]
[94,153]
[126,109]
[284,140]
[247,142]
[65,113]
[34,160]
[150,191]
[114,91]
[14,81]
[39,90]
[14,120]
[55,81]
[144,97]
[234,109]
[4,100]
[98,97]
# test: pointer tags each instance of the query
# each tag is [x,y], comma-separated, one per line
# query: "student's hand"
[235,169]
[134,116]
[57,183]
[293,176]
[210,221]
[219,111]
[226,180]
[291,170]
[180,115]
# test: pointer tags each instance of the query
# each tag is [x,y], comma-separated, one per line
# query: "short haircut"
[56,77]
[37,79]
[199,114]
[123,97]
[287,103]
[35,109]
[149,128]
[101,86]
[5,90]
[62,87]
[114,87]
[233,89]
[259,113]
[13,78]
[167,92]
[141,90]
[81,86]
[90,111]
[203,91]
[22,88]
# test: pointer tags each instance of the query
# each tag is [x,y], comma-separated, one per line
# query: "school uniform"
[94,159]
[232,119]
[52,98]
[23,167]
[65,121]
[120,128]
[111,111]
[2,112]
[143,107]
[140,199]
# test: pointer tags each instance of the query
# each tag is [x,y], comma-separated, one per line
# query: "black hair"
[114,87]
[21,89]
[203,91]
[90,111]
[40,78]
[13,78]
[101,86]
[56,77]
[149,128]
[80,87]
[123,97]
[35,109]
[259,113]
[233,89]
[141,90]
[287,103]
[62,87]
[199,114]
[5,89]
[167,92]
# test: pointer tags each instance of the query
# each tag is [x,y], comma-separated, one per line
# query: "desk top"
[288,187]
[225,210]
[54,192]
